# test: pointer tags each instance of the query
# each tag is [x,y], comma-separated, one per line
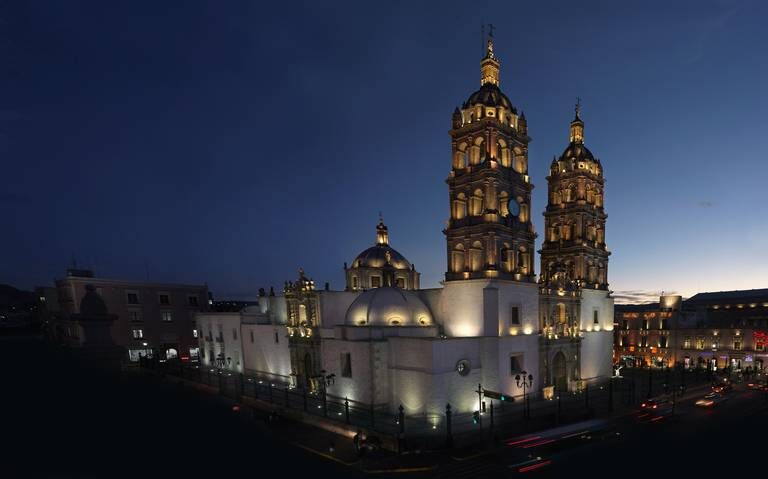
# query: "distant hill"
[10,296]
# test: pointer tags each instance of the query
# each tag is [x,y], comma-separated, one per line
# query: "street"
[723,438]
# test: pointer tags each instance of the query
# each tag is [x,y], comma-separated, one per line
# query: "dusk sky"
[234,142]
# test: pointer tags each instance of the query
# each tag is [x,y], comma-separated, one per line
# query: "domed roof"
[489,95]
[388,306]
[577,151]
[379,256]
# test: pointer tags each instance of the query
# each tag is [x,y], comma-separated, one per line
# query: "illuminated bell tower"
[489,233]
[574,220]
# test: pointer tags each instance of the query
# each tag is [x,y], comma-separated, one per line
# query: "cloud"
[706,204]
[639,296]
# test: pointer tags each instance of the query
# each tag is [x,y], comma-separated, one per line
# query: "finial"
[578,107]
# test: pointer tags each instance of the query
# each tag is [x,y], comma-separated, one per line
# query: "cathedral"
[386,341]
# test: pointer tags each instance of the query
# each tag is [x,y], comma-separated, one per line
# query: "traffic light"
[476,417]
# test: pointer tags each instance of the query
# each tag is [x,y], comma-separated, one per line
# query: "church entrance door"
[559,373]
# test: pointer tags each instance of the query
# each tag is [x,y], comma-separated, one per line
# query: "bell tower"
[489,233]
[574,220]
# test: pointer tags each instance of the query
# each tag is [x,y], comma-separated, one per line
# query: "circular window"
[462,367]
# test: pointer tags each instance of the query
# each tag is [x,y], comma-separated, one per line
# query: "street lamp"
[525,381]
[325,381]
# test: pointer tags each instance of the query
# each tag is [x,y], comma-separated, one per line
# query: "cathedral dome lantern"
[381,265]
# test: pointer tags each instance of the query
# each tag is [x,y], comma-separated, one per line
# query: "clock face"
[514,207]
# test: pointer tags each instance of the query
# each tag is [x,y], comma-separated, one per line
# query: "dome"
[577,151]
[489,95]
[92,304]
[388,306]
[379,256]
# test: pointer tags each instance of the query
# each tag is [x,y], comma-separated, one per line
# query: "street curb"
[324,455]
[401,470]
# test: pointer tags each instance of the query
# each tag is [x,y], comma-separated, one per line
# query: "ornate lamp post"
[525,381]
[325,381]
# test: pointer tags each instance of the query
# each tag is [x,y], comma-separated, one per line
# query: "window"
[626,324]
[645,324]
[594,318]
[737,344]
[165,298]
[132,297]
[759,345]
[515,317]
[192,301]
[663,342]
[277,338]
[515,364]
[354,282]
[251,336]
[195,333]
[699,343]
[346,365]
[234,334]
[166,316]
[687,343]
[137,333]
[664,323]
[400,282]
[375,281]
[643,341]
[134,316]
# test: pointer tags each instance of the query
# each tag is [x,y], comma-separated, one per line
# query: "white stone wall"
[210,324]
[600,301]
[360,386]
[528,346]
[334,306]
[596,355]
[481,307]
[262,355]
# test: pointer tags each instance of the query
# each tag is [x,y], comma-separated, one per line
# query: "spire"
[382,235]
[577,125]
[489,65]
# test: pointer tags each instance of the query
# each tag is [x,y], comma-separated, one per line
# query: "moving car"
[656,403]
[722,388]
[710,400]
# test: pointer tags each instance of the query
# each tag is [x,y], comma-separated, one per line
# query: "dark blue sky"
[232,142]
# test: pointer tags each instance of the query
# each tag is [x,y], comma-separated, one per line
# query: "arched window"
[519,161]
[457,258]
[460,156]
[522,260]
[476,256]
[503,205]
[476,203]
[476,151]
[503,154]
[506,258]
[525,211]
[460,206]
[592,272]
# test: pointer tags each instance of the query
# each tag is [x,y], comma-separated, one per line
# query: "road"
[727,438]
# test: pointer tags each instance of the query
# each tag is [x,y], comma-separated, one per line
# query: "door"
[559,372]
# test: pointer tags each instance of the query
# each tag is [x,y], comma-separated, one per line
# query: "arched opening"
[519,161]
[522,260]
[457,259]
[171,353]
[525,211]
[503,203]
[503,153]
[460,156]
[559,372]
[460,206]
[476,203]
[476,151]
[476,256]
[302,315]
[506,258]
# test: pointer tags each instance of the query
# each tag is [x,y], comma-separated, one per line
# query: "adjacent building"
[709,330]
[153,319]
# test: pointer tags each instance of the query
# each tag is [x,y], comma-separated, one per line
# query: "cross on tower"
[578,105]
[490,30]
